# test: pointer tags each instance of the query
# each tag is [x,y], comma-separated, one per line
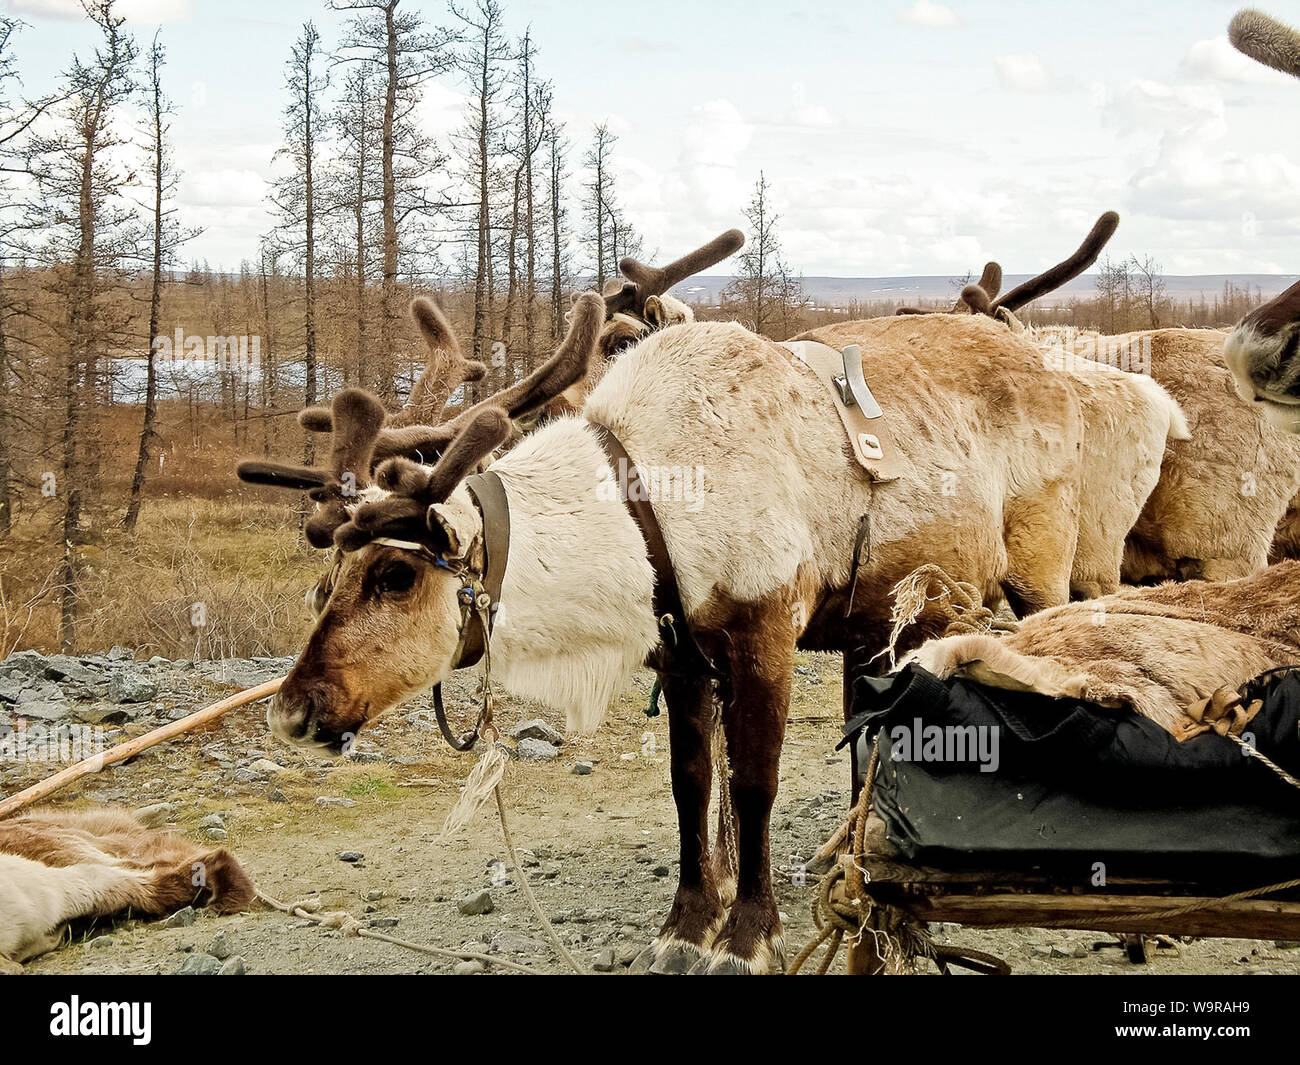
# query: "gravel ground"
[593,818]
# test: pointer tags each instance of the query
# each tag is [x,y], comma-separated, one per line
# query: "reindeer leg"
[724,842]
[761,656]
[697,910]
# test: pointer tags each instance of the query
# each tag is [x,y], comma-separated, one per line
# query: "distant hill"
[841,290]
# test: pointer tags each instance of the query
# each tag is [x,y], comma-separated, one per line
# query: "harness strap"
[678,652]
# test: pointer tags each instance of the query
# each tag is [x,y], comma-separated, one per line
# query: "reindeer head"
[1263,349]
[638,303]
[407,538]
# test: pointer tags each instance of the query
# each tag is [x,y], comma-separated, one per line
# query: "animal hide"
[1160,650]
[57,865]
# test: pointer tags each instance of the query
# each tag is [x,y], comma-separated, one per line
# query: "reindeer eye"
[396,578]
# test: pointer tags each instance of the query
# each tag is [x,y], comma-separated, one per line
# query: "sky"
[899,137]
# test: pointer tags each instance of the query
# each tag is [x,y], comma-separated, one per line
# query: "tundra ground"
[601,847]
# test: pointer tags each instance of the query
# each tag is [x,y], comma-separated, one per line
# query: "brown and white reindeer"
[1129,420]
[989,448]
[57,865]
[1263,350]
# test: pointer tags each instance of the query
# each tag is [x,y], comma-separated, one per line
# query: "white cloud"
[1166,111]
[222,188]
[135,11]
[930,16]
[1023,72]
[1217,60]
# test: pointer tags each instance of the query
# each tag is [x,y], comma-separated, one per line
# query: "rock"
[326,801]
[199,965]
[121,654]
[158,813]
[536,751]
[10,689]
[627,954]
[537,729]
[265,765]
[219,948]
[182,918]
[479,902]
[67,668]
[469,967]
[212,821]
[24,664]
[128,687]
[1287,944]
[233,967]
[582,769]
[351,857]
[509,941]
[660,871]
[42,710]
[99,942]
[105,715]
[276,795]
[384,922]
[605,962]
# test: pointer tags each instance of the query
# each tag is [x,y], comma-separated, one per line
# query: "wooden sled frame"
[894,890]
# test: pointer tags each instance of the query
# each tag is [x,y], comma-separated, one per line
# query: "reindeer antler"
[646,281]
[566,367]
[414,488]
[444,372]
[1266,40]
[989,283]
[356,420]
[1049,280]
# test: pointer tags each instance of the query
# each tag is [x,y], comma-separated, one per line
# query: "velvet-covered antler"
[990,283]
[356,418]
[1266,40]
[1065,271]
[645,281]
[444,372]
[566,367]
[413,488]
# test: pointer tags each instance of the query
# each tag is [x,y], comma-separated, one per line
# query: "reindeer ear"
[456,524]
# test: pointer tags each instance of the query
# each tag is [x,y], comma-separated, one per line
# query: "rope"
[1250,752]
[960,603]
[309,910]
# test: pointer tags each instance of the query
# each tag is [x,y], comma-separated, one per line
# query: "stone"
[199,965]
[605,962]
[479,902]
[99,942]
[219,948]
[326,801]
[265,765]
[537,729]
[212,821]
[105,715]
[384,922]
[276,795]
[351,857]
[155,814]
[536,751]
[127,687]
[660,871]
[468,967]
[42,710]
[67,668]
[582,769]
[509,941]
[182,918]
[24,664]
[233,967]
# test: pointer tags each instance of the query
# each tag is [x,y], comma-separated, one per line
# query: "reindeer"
[1225,501]
[1263,350]
[1129,420]
[789,542]
[56,865]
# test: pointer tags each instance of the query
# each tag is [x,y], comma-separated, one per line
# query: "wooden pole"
[123,751]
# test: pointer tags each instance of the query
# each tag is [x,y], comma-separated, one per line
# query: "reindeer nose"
[294,714]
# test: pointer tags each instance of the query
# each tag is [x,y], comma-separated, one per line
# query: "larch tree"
[89,226]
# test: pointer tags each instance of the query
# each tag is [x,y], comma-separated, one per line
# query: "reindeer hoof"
[673,959]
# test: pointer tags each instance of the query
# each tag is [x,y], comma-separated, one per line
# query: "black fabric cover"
[1078,783]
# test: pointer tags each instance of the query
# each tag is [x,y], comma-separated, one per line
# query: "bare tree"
[166,239]
[395,46]
[294,195]
[1149,288]
[485,54]
[556,149]
[89,226]
[764,286]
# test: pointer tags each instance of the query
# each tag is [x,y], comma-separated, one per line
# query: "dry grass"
[200,578]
